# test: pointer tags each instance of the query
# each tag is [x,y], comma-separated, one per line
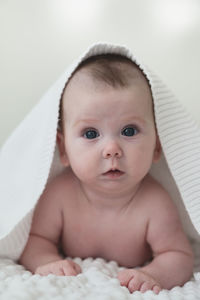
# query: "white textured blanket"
[28,159]
[97,282]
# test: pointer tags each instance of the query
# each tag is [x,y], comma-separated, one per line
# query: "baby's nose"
[112,149]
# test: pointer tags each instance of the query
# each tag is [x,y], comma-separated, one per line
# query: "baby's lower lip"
[113,174]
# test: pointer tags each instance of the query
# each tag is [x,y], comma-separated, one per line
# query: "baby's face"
[109,133]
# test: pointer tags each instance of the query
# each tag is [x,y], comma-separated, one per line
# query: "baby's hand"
[65,267]
[136,280]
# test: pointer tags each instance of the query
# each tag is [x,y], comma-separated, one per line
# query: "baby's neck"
[109,202]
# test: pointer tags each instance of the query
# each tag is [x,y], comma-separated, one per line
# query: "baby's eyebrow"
[86,121]
[131,119]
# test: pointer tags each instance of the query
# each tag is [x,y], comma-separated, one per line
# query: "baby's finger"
[156,289]
[77,268]
[134,285]
[42,271]
[125,276]
[69,271]
[145,287]
[57,271]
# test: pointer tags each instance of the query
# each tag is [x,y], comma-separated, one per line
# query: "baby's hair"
[112,69]
[109,69]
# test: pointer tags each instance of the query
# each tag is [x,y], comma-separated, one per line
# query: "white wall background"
[39,38]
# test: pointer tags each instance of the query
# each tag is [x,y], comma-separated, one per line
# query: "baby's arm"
[172,262]
[41,253]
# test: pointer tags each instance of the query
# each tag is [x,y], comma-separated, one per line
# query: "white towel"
[28,158]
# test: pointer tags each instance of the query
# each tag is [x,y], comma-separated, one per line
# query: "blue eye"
[91,134]
[129,131]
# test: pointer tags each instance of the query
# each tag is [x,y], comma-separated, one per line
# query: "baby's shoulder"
[58,187]
[156,195]
[66,177]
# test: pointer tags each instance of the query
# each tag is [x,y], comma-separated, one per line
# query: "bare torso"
[67,219]
[113,236]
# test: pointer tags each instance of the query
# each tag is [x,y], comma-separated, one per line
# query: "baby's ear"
[61,147]
[157,150]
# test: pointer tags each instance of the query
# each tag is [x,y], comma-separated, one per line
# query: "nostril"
[112,150]
[113,154]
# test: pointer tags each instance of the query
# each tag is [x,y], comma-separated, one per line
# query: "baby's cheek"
[140,162]
[83,167]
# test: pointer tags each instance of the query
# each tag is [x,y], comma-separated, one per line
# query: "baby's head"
[107,121]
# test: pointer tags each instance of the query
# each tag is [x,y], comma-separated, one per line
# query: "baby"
[105,203]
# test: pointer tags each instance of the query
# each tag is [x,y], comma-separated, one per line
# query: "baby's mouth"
[113,173]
